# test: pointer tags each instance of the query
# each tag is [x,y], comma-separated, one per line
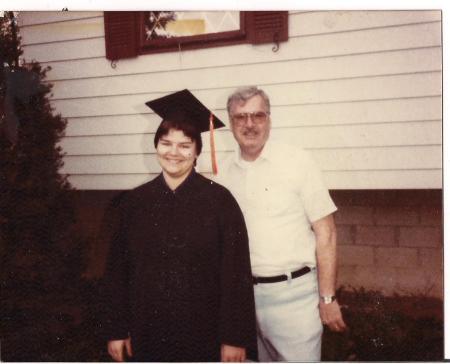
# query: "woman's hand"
[116,349]
[232,353]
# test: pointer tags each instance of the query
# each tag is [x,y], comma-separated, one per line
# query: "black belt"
[281,277]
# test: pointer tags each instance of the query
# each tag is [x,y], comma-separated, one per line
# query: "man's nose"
[249,120]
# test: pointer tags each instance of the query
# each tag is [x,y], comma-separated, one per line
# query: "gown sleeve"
[237,308]
[114,290]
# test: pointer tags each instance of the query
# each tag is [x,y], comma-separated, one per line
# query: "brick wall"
[389,240]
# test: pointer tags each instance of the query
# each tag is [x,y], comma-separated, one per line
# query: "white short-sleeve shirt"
[280,193]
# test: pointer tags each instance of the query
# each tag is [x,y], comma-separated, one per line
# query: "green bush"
[42,256]
[60,328]
[382,328]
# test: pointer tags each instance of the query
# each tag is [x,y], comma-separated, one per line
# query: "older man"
[288,212]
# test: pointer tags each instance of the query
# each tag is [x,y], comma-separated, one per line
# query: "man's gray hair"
[242,94]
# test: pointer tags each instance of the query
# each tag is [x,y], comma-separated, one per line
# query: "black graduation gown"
[178,278]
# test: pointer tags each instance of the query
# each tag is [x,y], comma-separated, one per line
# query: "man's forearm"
[326,253]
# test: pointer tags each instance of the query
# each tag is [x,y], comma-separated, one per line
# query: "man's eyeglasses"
[258,117]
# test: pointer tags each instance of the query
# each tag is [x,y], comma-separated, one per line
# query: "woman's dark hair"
[187,128]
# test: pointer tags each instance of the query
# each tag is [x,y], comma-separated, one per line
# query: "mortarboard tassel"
[213,147]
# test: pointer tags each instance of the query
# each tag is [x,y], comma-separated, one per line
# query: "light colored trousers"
[289,325]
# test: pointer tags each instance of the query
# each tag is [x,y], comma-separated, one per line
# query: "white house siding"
[361,89]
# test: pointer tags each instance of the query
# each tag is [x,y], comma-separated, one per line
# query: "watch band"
[327,299]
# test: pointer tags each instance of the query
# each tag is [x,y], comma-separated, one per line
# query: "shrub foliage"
[386,328]
[41,255]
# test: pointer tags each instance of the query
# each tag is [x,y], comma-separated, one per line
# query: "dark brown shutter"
[266,26]
[121,34]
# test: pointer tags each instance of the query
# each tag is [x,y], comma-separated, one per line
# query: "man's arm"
[325,232]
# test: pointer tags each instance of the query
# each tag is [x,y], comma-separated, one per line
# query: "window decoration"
[129,34]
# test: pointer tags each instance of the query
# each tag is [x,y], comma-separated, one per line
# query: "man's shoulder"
[281,152]
[212,191]
[210,185]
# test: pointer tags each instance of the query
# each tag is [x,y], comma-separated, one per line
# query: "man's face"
[250,131]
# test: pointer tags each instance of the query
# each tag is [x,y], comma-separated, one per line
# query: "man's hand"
[331,315]
[116,349]
[232,353]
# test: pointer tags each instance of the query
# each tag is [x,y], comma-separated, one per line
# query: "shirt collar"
[266,154]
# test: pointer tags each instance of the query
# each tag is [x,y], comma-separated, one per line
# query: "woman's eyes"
[183,146]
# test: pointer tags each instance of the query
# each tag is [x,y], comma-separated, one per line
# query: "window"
[128,34]
[171,30]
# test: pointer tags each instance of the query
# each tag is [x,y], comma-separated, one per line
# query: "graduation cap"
[184,106]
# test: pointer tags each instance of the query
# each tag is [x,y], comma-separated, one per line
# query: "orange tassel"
[213,147]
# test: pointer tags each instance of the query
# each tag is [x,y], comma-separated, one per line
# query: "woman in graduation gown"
[178,284]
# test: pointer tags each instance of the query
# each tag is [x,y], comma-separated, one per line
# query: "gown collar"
[185,185]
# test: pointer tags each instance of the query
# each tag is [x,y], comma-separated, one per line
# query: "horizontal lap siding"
[91,26]
[291,71]
[285,94]
[310,137]
[309,46]
[363,180]
[364,112]
[28,19]
[351,159]
[361,90]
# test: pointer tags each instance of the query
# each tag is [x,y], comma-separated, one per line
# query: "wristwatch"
[327,299]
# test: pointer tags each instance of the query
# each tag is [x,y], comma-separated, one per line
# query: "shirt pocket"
[277,201]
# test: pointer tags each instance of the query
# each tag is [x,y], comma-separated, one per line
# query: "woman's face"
[176,153]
